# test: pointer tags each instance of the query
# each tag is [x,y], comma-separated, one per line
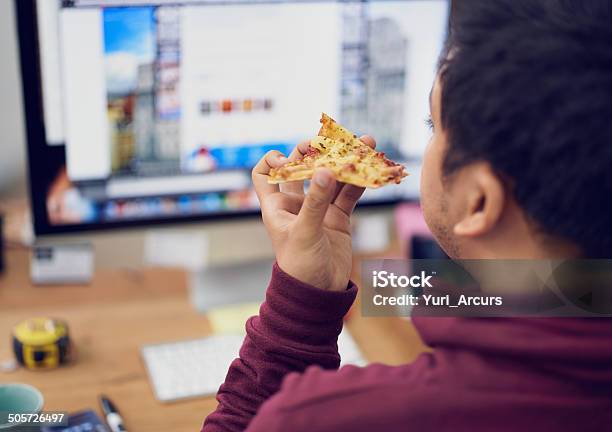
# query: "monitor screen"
[154,111]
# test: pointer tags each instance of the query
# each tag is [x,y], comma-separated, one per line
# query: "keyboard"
[193,368]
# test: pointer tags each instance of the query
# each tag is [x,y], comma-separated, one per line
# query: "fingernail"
[282,159]
[322,179]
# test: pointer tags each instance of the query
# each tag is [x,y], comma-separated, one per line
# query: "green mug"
[18,398]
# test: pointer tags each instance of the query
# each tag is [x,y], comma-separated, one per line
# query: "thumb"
[320,195]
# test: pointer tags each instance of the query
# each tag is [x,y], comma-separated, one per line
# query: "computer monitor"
[143,112]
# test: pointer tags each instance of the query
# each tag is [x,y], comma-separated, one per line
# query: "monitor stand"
[227,284]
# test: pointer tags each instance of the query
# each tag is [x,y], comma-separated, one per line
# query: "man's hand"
[311,234]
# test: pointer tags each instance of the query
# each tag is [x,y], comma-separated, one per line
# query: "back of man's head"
[527,86]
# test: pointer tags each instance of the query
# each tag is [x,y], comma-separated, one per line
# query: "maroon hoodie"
[483,375]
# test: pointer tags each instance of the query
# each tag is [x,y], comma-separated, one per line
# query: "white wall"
[12,134]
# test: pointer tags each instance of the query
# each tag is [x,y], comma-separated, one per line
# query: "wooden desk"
[116,314]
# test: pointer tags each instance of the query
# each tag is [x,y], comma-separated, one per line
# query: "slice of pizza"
[351,160]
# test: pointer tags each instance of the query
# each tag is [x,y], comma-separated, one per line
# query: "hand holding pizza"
[311,234]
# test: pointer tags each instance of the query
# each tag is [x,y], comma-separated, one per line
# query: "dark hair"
[527,86]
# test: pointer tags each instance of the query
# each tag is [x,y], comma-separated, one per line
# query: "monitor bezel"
[31,82]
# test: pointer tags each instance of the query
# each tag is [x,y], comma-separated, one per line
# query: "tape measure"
[42,343]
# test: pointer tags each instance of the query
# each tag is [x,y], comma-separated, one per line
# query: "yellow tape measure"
[42,343]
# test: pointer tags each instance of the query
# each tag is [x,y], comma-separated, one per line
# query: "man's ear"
[485,197]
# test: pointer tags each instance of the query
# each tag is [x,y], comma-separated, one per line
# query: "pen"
[113,418]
